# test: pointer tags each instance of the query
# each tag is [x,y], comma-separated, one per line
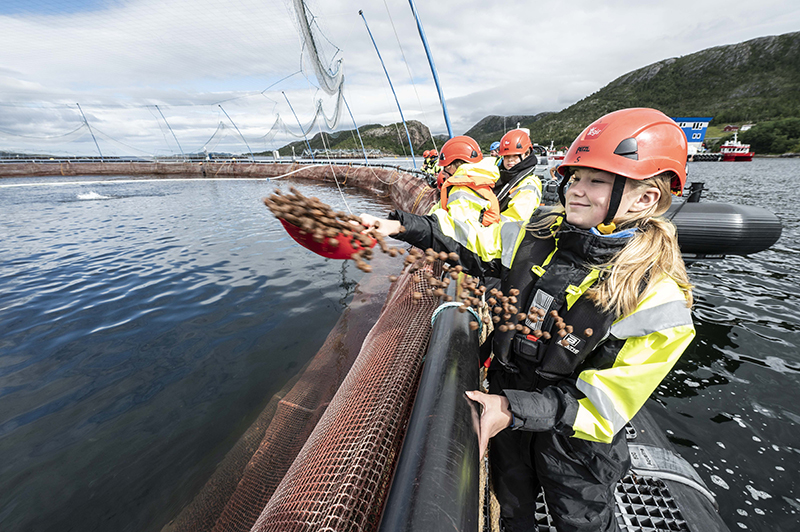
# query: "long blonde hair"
[652,253]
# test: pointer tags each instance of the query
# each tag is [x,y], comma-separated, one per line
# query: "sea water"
[732,404]
[144,325]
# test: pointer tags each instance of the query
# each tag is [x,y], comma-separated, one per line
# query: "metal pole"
[252,157]
[299,124]
[433,69]
[360,12]
[92,132]
[357,131]
[173,133]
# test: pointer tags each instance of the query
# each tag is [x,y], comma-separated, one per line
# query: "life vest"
[513,177]
[551,278]
[482,186]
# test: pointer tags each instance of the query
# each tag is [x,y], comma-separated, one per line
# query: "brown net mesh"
[340,479]
[243,482]
[369,431]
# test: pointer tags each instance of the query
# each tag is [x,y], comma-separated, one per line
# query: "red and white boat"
[733,150]
[555,156]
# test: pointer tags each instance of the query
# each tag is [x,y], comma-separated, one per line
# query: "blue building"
[695,130]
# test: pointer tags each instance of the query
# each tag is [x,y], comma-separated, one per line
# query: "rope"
[484,312]
[419,198]
[400,140]
[408,69]
[333,172]
[449,304]
[298,170]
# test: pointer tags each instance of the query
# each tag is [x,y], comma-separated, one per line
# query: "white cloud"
[187,56]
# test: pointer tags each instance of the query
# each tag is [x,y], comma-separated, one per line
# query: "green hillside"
[751,82]
[390,140]
[754,82]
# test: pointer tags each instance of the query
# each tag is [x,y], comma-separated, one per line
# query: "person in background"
[467,203]
[429,166]
[605,314]
[493,149]
[518,190]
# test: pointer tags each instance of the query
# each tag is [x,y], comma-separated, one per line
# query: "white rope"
[333,172]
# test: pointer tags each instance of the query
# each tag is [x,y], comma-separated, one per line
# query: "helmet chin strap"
[608,226]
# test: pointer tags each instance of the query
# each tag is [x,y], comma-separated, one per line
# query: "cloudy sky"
[156,77]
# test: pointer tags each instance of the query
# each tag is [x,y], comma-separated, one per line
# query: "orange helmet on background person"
[434,153]
[460,148]
[636,143]
[426,153]
[515,142]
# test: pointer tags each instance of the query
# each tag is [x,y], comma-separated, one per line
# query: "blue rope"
[457,304]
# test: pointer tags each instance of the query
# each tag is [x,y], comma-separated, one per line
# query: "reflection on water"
[143,326]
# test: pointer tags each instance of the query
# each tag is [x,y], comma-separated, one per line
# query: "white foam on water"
[92,195]
[719,482]
[757,494]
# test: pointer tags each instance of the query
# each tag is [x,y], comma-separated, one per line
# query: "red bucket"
[344,250]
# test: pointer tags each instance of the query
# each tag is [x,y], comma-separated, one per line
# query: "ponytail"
[651,255]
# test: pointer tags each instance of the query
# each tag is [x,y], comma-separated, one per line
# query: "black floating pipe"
[711,228]
[436,482]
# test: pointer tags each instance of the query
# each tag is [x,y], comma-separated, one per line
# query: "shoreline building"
[695,130]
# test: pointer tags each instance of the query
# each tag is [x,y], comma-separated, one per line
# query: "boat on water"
[734,150]
[555,155]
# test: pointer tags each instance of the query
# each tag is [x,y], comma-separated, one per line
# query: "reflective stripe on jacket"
[524,199]
[655,335]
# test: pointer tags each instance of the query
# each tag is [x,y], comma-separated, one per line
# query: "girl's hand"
[495,416]
[380,225]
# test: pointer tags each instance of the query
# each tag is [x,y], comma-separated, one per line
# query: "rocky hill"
[753,81]
[493,127]
[390,140]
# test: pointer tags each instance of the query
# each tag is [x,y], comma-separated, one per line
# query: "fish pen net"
[238,490]
[341,477]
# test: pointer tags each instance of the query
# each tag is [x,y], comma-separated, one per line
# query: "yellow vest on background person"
[468,211]
[469,192]
[525,193]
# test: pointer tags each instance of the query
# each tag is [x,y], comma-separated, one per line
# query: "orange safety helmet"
[515,142]
[460,148]
[637,143]
[434,153]
[426,153]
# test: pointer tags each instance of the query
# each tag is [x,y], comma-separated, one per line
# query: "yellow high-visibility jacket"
[462,219]
[594,400]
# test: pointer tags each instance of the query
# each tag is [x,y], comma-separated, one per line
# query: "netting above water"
[164,77]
